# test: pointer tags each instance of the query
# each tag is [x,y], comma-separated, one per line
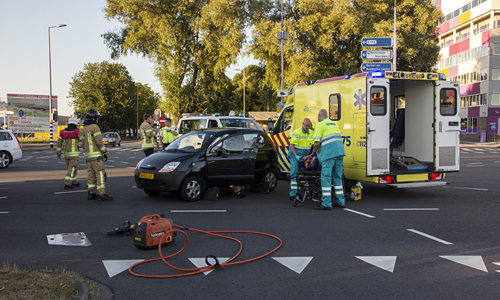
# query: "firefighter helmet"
[93,115]
[73,120]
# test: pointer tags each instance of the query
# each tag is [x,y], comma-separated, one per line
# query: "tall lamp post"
[50,83]
[243,89]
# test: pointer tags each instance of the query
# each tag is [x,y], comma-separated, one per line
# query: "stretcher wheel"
[295,202]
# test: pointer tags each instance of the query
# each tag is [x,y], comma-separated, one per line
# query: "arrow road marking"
[473,261]
[430,236]
[386,263]
[296,264]
[200,262]
[115,267]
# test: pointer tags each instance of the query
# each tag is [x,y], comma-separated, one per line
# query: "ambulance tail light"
[386,179]
[18,141]
[432,76]
[435,176]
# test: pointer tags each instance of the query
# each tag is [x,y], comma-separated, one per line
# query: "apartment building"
[469,36]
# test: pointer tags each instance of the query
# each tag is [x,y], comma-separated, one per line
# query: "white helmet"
[72,120]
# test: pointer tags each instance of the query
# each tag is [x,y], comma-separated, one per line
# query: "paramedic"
[331,156]
[168,133]
[300,145]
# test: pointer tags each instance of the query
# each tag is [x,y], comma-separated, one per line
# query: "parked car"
[10,148]
[215,157]
[111,138]
[196,122]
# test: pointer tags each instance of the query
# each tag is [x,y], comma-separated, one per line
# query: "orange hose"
[194,271]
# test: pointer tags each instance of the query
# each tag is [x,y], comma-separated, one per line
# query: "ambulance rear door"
[446,127]
[377,126]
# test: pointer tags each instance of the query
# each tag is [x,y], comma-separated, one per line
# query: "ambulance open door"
[377,126]
[446,127]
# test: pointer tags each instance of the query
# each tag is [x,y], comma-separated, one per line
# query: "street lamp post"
[50,83]
[137,124]
[243,89]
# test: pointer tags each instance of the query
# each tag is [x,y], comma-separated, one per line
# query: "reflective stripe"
[296,134]
[332,134]
[339,193]
[302,148]
[327,194]
[91,185]
[97,133]
[103,148]
[59,149]
[337,186]
[332,140]
[293,188]
[317,138]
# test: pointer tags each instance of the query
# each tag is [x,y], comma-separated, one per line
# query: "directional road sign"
[376,54]
[282,93]
[21,112]
[376,42]
[368,67]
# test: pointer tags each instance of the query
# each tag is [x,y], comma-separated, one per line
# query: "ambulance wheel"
[152,193]
[192,188]
[270,176]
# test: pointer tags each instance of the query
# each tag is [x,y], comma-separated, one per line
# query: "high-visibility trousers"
[72,164]
[96,178]
[331,172]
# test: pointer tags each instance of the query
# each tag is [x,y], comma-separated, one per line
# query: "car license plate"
[105,143]
[146,175]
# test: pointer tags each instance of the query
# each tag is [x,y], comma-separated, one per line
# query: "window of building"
[466,7]
[475,3]
[495,74]
[334,113]
[495,99]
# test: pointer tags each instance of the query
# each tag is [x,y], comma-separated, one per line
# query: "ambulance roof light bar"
[377,74]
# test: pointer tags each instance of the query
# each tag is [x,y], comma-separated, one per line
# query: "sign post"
[382,42]
[21,114]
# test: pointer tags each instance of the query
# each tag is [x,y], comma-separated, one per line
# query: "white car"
[190,122]
[10,148]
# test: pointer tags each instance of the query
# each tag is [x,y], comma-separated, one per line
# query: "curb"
[82,290]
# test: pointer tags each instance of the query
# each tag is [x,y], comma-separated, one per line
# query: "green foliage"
[325,37]
[109,88]
[259,96]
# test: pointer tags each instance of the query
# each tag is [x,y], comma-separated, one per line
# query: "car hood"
[158,160]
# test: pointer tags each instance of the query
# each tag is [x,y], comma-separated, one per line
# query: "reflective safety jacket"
[169,137]
[328,133]
[148,135]
[92,143]
[68,140]
[302,141]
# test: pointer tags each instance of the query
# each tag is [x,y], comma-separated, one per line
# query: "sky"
[24,67]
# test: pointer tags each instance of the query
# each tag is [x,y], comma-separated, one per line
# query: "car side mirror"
[270,125]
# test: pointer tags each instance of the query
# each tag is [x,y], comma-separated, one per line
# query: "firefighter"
[148,134]
[300,145]
[331,156]
[95,155]
[68,140]
[169,133]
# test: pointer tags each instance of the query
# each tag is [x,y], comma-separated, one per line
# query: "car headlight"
[169,167]
[139,164]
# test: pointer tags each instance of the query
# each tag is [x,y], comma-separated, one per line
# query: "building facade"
[469,36]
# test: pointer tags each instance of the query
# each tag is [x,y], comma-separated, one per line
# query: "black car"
[215,157]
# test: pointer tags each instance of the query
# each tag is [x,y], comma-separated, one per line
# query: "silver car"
[111,138]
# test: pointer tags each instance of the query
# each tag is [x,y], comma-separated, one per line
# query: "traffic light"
[54,115]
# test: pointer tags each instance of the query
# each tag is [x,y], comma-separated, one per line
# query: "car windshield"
[191,142]
[108,135]
[241,123]
[189,125]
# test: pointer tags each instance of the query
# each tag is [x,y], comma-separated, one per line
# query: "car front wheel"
[270,178]
[192,188]
[4,160]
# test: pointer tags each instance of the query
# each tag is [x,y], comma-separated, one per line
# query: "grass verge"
[31,284]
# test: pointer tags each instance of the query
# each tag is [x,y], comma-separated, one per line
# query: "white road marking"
[464,188]
[498,161]
[11,181]
[403,209]
[478,149]
[479,163]
[41,161]
[35,152]
[124,162]
[4,212]
[62,163]
[136,150]
[466,149]
[386,263]
[473,166]
[114,267]
[80,191]
[130,167]
[497,263]
[110,160]
[473,261]
[5,197]
[132,157]
[110,166]
[134,186]
[359,213]
[199,211]
[200,262]
[430,236]
[296,264]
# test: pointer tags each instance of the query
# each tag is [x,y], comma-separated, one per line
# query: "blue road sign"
[368,67]
[376,42]
[493,127]
[21,113]
[376,54]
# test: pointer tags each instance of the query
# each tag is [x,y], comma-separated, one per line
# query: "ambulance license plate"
[146,175]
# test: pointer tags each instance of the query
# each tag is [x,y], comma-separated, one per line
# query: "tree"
[325,37]
[108,88]
[259,96]
[191,42]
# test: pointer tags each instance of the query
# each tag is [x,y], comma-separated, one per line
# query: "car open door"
[377,126]
[446,127]
[231,161]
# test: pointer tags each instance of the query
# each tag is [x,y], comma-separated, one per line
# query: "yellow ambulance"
[399,128]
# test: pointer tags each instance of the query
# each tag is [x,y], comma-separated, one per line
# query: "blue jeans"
[331,171]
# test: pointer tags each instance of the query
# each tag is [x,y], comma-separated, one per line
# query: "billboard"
[36,112]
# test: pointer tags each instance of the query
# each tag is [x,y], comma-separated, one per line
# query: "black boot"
[91,196]
[76,184]
[104,197]
[68,187]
